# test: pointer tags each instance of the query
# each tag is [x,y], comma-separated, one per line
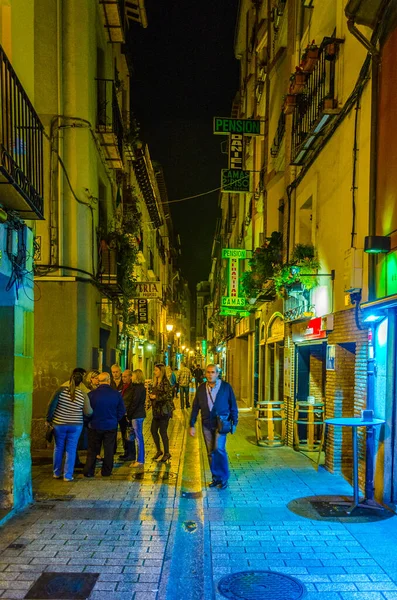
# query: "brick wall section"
[346,391]
[316,373]
[289,387]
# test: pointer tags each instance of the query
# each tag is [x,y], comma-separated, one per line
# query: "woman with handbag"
[162,407]
[65,415]
[219,415]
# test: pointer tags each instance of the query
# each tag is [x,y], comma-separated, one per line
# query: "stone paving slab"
[135,532]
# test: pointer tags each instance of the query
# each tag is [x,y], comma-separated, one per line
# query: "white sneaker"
[57,476]
[67,479]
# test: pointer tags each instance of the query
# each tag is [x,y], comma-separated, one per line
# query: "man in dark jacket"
[108,408]
[214,399]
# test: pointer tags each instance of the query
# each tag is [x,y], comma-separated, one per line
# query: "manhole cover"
[261,585]
[63,586]
[329,508]
[192,495]
[16,546]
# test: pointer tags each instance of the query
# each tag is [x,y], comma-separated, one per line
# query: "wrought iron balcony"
[114,19]
[21,138]
[109,123]
[317,105]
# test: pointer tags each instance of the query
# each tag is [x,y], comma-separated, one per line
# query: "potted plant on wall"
[297,82]
[301,270]
[310,57]
[289,103]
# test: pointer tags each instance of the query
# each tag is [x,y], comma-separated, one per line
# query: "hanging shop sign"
[236,151]
[234,253]
[235,181]
[143,311]
[308,330]
[234,298]
[233,312]
[148,289]
[226,125]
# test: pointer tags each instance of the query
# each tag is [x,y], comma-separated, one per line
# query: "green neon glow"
[234,253]
[233,302]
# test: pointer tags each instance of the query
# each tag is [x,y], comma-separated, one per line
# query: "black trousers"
[160,425]
[123,428]
[97,437]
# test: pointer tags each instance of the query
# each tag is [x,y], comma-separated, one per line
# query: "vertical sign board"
[234,299]
[236,151]
[143,316]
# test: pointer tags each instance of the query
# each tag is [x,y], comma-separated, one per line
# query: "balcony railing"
[114,19]
[278,138]
[109,122]
[316,106]
[21,138]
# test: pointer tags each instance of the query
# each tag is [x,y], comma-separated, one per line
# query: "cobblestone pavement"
[159,534]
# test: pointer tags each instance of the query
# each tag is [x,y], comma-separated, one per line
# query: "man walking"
[217,403]
[108,409]
[198,376]
[183,380]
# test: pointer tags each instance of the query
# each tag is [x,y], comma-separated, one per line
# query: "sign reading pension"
[225,125]
[148,289]
[235,180]
[234,253]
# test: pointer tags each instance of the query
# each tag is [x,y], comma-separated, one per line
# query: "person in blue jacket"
[107,411]
[216,401]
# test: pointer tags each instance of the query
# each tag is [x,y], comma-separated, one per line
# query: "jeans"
[66,439]
[137,426]
[162,426]
[217,456]
[184,389]
[97,437]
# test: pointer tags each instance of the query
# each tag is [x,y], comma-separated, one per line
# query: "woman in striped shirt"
[65,413]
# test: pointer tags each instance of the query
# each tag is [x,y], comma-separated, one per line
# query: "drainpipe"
[371,369]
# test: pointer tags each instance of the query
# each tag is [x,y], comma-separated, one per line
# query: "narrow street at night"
[161,534]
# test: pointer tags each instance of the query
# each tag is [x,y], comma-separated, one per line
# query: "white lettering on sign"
[148,289]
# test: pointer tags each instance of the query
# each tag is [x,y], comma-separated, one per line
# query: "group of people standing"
[92,406]
[98,403]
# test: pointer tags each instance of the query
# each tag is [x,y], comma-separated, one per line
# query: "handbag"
[49,434]
[224,424]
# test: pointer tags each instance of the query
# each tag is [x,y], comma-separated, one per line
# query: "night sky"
[185,73]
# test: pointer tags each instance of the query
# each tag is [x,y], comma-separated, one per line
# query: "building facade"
[316,78]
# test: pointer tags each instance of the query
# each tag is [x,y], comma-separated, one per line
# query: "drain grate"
[266,585]
[62,586]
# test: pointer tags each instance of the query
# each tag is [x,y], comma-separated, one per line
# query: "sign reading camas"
[148,289]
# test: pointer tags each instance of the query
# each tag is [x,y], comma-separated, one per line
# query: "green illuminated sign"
[233,301]
[234,312]
[235,180]
[226,125]
[204,347]
[234,253]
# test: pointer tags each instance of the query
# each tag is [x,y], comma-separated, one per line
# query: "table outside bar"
[354,423]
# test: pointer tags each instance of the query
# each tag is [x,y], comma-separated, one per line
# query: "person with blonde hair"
[65,414]
[162,406]
[92,379]
[135,399]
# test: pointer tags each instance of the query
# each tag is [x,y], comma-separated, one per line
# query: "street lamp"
[178,334]
[169,327]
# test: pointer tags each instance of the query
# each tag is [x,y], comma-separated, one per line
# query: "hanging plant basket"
[298,83]
[310,58]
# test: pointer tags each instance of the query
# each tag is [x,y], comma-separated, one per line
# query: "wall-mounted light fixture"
[377,244]
[169,327]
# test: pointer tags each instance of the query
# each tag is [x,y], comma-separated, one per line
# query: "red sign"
[313,330]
